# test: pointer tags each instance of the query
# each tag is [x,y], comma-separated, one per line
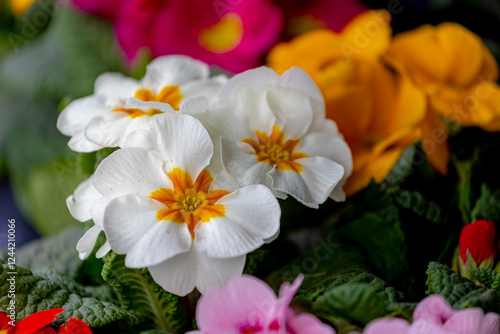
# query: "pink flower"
[249,306]
[434,315]
[231,34]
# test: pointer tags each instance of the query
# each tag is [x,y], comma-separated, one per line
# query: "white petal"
[174,70]
[130,171]
[111,131]
[83,198]
[217,272]
[78,113]
[182,141]
[132,228]
[178,274]
[333,148]
[227,123]
[80,143]
[208,88]
[292,110]
[97,211]
[182,273]
[313,185]
[297,79]
[252,215]
[251,100]
[101,252]
[194,106]
[115,86]
[261,75]
[244,166]
[135,103]
[87,242]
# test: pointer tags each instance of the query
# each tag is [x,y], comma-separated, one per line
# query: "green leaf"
[404,166]
[486,277]
[487,206]
[49,289]
[358,302]
[138,292]
[382,241]
[57,252]
[458,291]
[417,203]
[465,189]
[333,272]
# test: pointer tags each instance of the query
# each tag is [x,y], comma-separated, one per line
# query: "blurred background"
[51,52]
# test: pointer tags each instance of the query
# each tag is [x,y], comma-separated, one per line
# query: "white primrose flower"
[104,119]
[82,208]
[273,131]
[171,212]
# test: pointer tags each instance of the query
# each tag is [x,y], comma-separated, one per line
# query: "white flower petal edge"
[181,274]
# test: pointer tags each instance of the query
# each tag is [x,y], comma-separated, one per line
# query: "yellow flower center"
[272,150]
[169,94]
[189,202]
[223,36]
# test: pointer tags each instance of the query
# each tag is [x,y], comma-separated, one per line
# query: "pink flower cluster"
[434,315]
[249,306]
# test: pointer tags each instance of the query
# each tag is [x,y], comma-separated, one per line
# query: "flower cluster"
[434,315]
[193,187]
[248,305]
[386,93]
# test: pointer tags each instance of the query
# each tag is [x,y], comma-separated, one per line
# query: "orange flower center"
[189,203]
[272,150]
[223,36]
[169,94]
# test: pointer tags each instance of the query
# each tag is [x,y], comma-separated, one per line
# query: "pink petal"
[246,302]
[465,322]
[305,323]
[433,308]
[490,324]
[387,326]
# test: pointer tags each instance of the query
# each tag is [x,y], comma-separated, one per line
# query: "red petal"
[480,238]
[37,321]
[4,320]
[75,326]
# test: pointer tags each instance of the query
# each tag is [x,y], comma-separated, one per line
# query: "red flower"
[32,324]
[74,326]
[35,323]
[480,240]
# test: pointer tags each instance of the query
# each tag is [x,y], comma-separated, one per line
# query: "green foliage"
[487,206]
[487,277]
[56,252]
[49,289]
[417,203]
[137,291]
[458,291]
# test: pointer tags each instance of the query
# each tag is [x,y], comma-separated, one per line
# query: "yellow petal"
[464,51]
[435,142]
[368,34]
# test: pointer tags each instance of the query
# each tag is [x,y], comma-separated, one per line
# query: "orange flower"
[374,103]
[457,72]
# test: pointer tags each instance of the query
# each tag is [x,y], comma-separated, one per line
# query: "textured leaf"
[485,276]
[56,252]
[487,206]
[382,241]
[459,291]
[49,289]
[416,202]
[404,166]
[138,292]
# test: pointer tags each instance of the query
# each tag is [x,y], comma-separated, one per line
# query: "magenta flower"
[231,34]
[434,315]
[249,306]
